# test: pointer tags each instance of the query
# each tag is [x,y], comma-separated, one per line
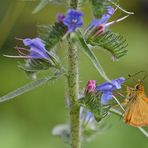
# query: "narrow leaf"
[40,6]
[52,34]
[112,42]
[82,45]
[99,6]
[27,87]
[43,4]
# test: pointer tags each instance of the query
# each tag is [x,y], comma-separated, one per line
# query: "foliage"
[43,4]
[88,107]
[99,6]
[112,42]
[52,34]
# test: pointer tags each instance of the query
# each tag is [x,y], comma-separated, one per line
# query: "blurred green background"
[27,120]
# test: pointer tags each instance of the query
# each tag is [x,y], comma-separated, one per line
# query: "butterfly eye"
[138,87]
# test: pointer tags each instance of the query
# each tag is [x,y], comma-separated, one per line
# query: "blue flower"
[37,49]
[87,117]
[99,25]
[73,20]
[104,19]
[107,88]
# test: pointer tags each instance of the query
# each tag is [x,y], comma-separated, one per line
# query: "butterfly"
[136,111]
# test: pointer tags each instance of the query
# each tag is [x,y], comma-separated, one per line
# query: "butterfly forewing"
[136,113]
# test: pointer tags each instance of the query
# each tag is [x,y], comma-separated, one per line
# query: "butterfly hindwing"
[136,113]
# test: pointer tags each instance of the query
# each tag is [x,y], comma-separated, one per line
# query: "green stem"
[73,83]
[73,4]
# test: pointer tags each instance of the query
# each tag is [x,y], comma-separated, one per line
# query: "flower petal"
[35,53]
[106,97]
[104,19]
[117,82]
[107,86]
[73,20]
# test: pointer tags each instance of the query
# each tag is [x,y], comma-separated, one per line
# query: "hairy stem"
[73,4]
[73,84]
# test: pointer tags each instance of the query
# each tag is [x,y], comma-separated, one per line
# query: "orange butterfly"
[136,112]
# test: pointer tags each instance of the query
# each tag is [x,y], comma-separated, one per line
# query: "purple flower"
[60,18]
[107,88]
[99,25]
[73,20]
[36,49]
[87,118]
[91,86]
[104,19]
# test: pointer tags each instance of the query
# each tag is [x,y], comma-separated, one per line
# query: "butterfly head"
[139,87]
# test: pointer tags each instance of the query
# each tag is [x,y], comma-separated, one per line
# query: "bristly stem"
[73,4]
[73,82]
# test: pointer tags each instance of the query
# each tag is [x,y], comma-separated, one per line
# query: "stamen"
[9,56]
[116,21]
[20,48]
[19,39]
[74,20]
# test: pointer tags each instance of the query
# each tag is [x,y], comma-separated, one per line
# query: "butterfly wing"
[136,113]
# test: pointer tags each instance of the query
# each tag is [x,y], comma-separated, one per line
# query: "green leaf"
[43,4]
[92,102]
[112,42]
[28,87]
[35,65]
[52,34]
[40,6]
[99,6]
[82,45]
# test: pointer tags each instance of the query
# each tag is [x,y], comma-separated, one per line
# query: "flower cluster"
[106,89]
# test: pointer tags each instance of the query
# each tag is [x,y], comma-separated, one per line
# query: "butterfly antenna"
[132,76]
[146,74]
